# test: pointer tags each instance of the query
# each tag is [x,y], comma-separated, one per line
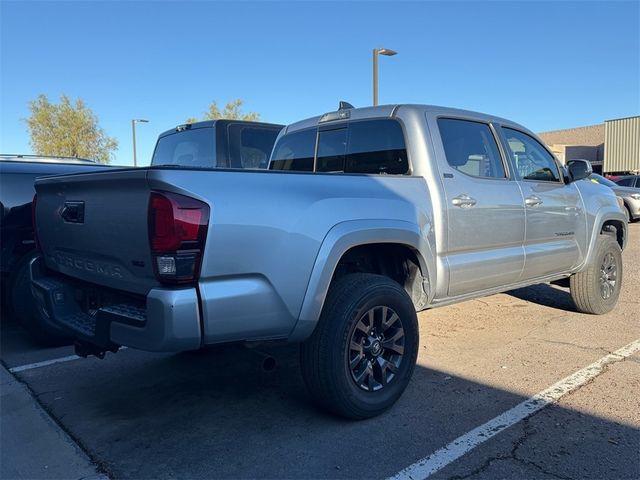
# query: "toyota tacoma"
[364,216]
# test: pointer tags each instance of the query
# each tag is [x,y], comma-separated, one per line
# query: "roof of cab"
[388,111]
[211,123]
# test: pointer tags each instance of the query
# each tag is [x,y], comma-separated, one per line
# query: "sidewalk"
[32,445]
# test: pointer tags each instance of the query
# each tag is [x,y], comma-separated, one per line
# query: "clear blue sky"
[547,65]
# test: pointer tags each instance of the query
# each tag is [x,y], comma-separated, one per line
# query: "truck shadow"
[547,295]
[217,413]
[18,346]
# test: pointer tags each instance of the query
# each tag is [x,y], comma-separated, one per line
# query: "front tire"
[362,354]
[596,290]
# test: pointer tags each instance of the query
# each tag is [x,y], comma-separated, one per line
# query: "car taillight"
[177,234]
[33,221]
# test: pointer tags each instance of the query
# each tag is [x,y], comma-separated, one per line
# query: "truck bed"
[264,233]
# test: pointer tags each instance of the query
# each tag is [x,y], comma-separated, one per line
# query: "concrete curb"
[33,445]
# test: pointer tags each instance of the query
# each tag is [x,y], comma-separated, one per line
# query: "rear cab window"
[250,146]
[223,144]
[365,147]
[187,148]
[377,146]
[295,151]
[332,149]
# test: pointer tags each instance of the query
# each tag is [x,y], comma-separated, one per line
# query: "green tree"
[68,129]
[232,110]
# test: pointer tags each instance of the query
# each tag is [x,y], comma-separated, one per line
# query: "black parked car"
[17,175]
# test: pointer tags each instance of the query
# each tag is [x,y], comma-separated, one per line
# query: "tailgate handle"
[73,212]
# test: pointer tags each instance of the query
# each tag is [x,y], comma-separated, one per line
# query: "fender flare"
[341,238]
[604,215]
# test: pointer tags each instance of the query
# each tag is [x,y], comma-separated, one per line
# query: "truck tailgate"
[94,227]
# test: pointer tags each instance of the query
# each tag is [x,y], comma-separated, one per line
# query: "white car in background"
[629,195]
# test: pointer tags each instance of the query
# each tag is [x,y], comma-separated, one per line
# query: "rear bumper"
[166,320]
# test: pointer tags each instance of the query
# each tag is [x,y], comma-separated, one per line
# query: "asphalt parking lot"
[217,414]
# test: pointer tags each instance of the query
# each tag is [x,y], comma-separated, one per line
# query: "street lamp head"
[140,120]
[376,52]
[387,51]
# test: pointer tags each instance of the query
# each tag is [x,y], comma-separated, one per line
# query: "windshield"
[594,177]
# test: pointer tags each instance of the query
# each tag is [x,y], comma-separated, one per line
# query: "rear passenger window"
[471,148]
[295,151]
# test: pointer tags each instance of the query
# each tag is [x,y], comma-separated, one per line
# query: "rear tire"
[596,290]
[23,307]
[362,354]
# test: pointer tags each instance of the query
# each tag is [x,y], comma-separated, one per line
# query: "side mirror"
[579,169]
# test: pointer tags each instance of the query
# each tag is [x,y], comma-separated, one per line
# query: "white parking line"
[44,363]
[460,446]
[30,366]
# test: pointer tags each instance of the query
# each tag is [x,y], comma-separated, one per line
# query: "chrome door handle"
[532,201]
[463,201]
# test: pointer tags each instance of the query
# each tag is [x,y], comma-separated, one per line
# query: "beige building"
[581,142]
[611,147]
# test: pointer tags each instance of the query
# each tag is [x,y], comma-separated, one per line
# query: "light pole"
[133,130]
[376,52]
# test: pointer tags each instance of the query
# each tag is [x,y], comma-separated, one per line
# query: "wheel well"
[396,261]
[614,227]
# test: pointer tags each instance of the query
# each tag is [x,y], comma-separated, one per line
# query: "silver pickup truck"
[364,217]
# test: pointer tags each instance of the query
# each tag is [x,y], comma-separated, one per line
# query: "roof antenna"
[344,105]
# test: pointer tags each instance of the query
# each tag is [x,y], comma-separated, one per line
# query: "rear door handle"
[532,201]
[463,201]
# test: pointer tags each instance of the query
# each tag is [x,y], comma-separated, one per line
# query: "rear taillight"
[177,234]
[33,221]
